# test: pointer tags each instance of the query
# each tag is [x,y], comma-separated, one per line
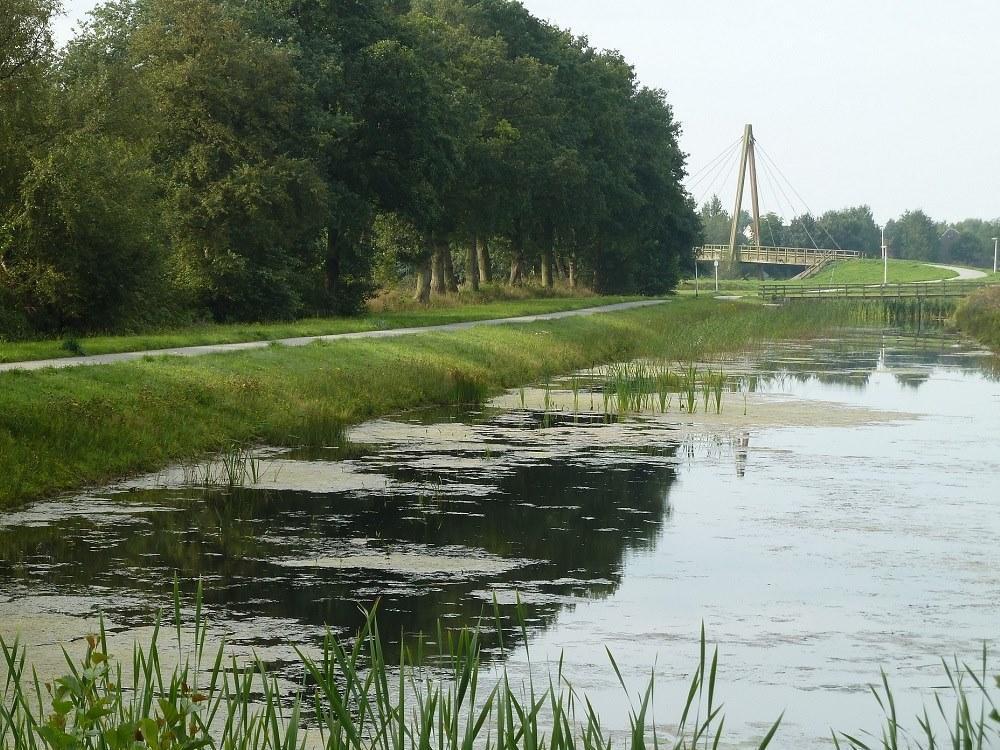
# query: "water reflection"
[564,524]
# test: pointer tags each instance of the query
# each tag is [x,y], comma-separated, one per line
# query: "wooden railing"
[792,256]
[914,290]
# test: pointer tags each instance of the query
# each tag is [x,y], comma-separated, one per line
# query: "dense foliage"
[914,235]
[260,159]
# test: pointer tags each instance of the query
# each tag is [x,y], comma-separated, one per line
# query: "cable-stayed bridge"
[738,250]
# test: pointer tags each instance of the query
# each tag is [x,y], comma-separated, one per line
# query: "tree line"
[256,159]
[914,235]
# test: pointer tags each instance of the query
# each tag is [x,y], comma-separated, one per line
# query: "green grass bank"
[66,429]
[979,316]
[385,314]
[870,271]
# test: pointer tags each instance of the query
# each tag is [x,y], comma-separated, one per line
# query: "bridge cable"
[809,210]
[773,192]
[721,176]
[791,205]
[772,195]
[713,172]
[717,157]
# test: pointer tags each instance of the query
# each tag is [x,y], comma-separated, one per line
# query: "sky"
[890,103]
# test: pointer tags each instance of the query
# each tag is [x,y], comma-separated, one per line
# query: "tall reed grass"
[351,698]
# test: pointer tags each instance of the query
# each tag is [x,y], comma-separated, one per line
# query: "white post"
[885,260]
[995,254]
[696,276]
[716,275]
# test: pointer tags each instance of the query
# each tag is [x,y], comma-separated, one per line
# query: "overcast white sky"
[893,103]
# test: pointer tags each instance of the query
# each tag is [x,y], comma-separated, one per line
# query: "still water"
[843,517]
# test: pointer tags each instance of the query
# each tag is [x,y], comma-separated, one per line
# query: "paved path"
[964,274]
[196,351]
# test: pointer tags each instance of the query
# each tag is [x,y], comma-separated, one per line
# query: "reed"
[350,698]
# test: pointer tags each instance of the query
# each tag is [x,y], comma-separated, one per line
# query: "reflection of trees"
[576,521]
[849,362]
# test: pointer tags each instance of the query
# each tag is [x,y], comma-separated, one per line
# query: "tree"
[87,252]
[716,223]
[244,210]
[913,236]
[851,229]
[25,59]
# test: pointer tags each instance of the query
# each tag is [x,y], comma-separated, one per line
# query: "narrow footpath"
[197,351]
[964,274]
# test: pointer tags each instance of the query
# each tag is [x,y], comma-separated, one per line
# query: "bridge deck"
[788,256]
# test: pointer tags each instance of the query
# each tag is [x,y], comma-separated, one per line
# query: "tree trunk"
[560,268]
[547,267]
[437,271]
[516,270]
[548,241]
[571,267]
[517,261]
[451,283]
[423,292]
[485,263]
[472,265]
[331,264]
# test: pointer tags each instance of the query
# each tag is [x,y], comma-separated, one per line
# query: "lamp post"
[885,260]
[995,239]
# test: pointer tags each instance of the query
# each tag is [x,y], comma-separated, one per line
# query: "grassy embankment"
[392,311]
[979,316]
[65,429]
[863,271]
[870,270]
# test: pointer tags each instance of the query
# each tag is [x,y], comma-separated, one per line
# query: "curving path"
[964,274]
[196,351]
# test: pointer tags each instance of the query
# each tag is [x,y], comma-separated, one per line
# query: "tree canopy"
[253,159]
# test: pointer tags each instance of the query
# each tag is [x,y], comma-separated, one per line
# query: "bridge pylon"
[730,265]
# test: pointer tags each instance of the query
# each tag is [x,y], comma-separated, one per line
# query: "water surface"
[814,553]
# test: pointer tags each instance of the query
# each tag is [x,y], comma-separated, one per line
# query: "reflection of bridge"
[787,256]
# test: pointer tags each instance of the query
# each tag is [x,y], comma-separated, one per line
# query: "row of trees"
[251,159]
[913,235]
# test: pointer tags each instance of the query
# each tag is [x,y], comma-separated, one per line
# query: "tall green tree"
[851,229]
[914,236]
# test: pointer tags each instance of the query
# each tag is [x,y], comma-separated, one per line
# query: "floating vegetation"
[352,698]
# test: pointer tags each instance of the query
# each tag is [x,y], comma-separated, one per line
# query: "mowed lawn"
[870,270]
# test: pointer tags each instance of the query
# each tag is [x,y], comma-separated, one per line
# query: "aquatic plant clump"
[641,386]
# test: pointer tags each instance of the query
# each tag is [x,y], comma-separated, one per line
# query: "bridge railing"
[912,290]
[805,256]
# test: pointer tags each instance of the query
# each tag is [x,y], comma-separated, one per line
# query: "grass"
[870,271]
[386,313]
[979,316]
[350,698]
[66,429]
[862,271]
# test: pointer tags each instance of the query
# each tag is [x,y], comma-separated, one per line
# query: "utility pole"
[885,260]
[747,157]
